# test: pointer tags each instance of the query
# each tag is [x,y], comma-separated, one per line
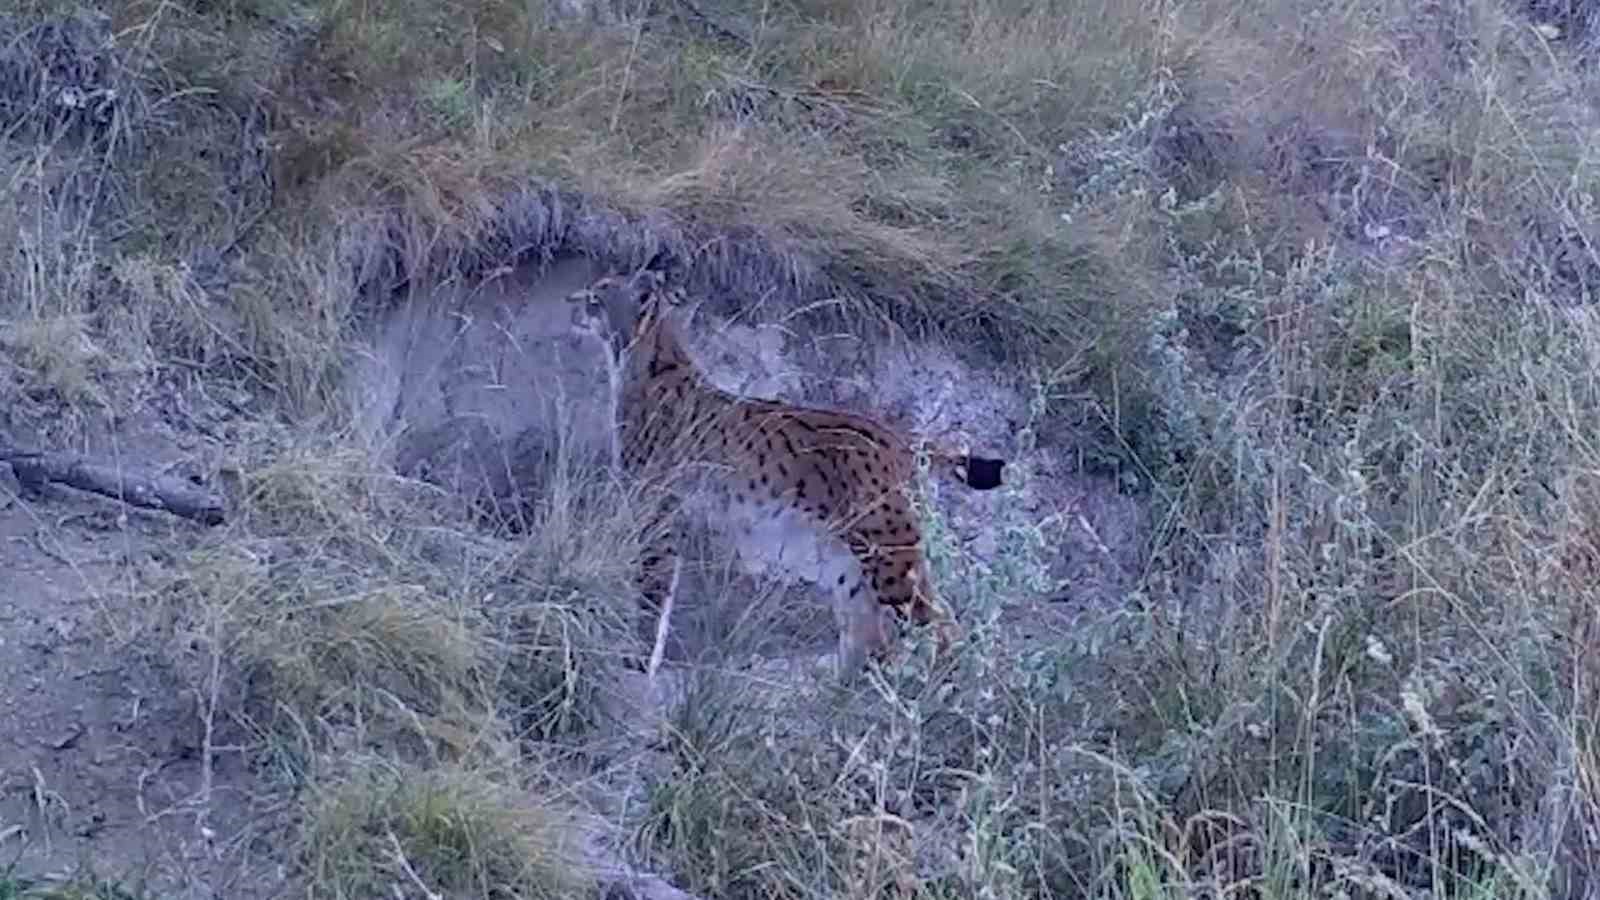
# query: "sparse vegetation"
[1314,283]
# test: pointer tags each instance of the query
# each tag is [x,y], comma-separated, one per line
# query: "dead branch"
[35,470]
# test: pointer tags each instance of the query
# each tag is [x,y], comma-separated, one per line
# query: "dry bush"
[346,612]
[124,185]
[1353,669]
[347,598]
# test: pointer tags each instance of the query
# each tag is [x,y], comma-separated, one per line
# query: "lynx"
[844,477]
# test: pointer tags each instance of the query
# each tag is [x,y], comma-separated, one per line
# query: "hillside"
[1282,313]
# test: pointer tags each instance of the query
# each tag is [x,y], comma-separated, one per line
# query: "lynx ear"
[660,261]
[662,270]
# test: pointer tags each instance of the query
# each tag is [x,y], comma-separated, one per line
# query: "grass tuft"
[381,828]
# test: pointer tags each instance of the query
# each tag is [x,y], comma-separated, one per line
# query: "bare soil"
[100,747]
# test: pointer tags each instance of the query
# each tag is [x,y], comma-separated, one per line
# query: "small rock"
[66,739]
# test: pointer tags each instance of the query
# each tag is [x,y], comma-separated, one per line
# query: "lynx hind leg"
[864,630]
[864,624]
[887,543]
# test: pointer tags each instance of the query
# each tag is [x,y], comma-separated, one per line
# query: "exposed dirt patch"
[100,744]
[101,762]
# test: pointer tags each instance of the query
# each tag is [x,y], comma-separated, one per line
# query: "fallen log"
[36,469]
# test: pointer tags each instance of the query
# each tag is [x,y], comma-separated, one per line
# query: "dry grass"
[76,888]
[1320,278]
[445,831]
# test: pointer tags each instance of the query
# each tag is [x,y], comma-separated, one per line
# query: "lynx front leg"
[864,623]
[657,581]
[664,621]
